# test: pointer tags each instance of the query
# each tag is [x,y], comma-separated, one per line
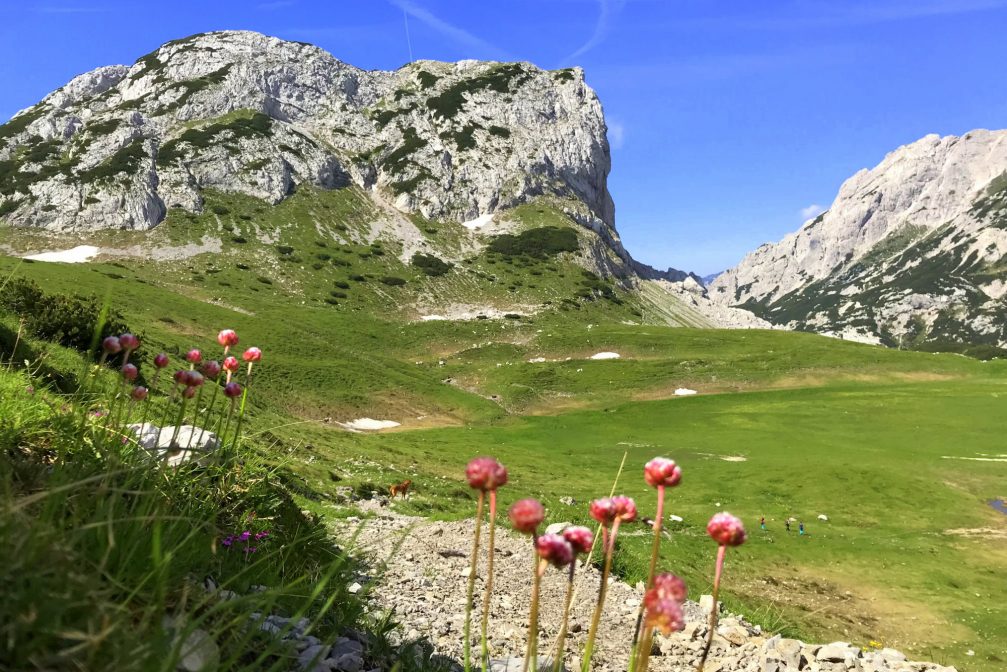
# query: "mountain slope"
[910,253]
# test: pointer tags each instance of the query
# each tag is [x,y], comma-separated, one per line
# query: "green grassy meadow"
[912,555]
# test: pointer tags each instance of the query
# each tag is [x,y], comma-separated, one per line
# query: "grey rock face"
[910,248]
[243,112]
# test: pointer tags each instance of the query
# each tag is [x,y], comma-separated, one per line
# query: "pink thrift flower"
[161,360]
[526,515]
[625,508]
[194,356]
[195,379]
[181,377]
[603,510]
[668,586]
[189,392]
[232,390]
[662,472]
[210,369]
[485,473]
[139,393]
[227,338]
[726,530]
[130,372]
[554,549]
[252,355]
[231,364]
[580,538]
[129,342]
[665,615]
[111,345]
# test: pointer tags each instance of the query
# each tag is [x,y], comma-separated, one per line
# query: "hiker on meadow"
[787,523]
[762,522]
[800,528]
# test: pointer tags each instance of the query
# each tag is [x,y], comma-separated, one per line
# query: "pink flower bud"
[252,355]
[665,615]
[526,515]
[227,338]
[210,369]
[195,379]
[580,538]
[662,472]
[161,360]
[129,372]
[232,390]
[194,356]
[625,508]
[603,510]
[129,342]
[189,392]
[726,529]
[139,393]
[231,364]
[554,549]
[181,377]
[668,586]
[111,345]
[485,473]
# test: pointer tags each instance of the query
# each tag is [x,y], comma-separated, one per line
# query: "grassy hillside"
[878,440]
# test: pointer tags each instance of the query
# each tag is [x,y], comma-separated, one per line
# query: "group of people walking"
[786,522]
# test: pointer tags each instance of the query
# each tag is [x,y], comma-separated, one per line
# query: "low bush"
[430,264]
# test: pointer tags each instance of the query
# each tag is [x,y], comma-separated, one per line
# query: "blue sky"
[727,119]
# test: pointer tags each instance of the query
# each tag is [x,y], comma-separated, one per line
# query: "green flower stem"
[209,411]
[602,590]
[531,653]
[489,581]
[557,665]
[241,412]
[654,552]
[195,416]
[181,416]
[472,582]
[721,550]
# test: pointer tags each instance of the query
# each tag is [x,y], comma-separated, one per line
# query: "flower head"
[161,360]
[227,338]
[726,530]
[580,538]
[210,369]
[195,379]
[139,393]
[526,515]
[232,390]
[485,473]
[194,356]
[603,510]
[244,536]
[553,548]
[130,372]
[668,586]
[252,355]
[129,342]
[228,540]
[625,508]
[665,615]
[189,392]
[231,364]
[111,345]
[181,377]
[662,472]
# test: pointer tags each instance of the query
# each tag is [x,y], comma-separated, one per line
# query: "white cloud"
[616,134]
[458,35]
[812,210]
[609,8]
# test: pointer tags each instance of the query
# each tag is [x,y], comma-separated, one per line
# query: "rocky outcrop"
[423,582]
[243,112]
[910,251]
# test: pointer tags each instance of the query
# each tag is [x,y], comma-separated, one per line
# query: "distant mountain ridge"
[912,253]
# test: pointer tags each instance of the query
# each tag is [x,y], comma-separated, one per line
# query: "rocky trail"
[420,569]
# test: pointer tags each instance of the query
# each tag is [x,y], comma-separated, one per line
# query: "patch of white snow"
[684,392]
[606,355]
[369,424]
[76,255]
[478,223]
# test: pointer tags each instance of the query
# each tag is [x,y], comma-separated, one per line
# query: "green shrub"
[392,281]
[537,243]
[430,264]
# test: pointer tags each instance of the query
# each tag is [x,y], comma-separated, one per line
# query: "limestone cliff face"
[243,112]
[911,249]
